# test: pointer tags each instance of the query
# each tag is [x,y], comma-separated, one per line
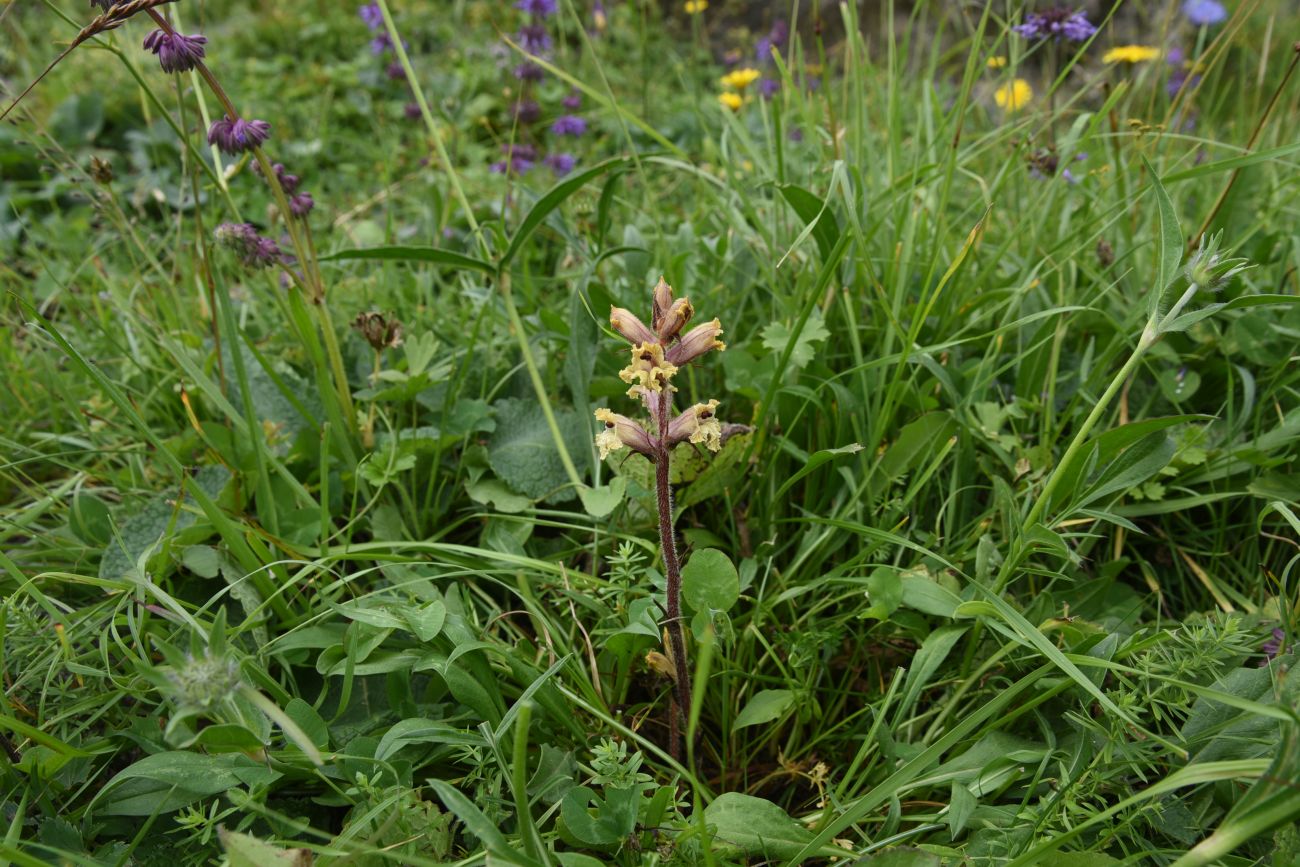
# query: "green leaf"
[1169,243]
[815,460]
[710,581]
[961,805]
[765,707]
[816,215]
[522,452]
[599,502]
[245,851]
[497,494]
[309,721]
[168,781]
[778,335]
[899,857]
[917,441]
[426,621]
[755,826]
[553,199]
[884,592]
[160,520]
[413,254]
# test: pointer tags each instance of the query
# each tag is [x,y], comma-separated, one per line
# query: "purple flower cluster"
[1058,24]
[1273,647]
[176,51]
[373,16]
[534,38]
[254,250]
[538,8]
[238,135]
[300,204]
[1179,77]
[569,124]
[775,38]
[1204,13]
[519,158]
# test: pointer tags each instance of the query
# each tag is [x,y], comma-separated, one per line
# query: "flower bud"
[621,431]
[648,369]
[627,324]
[663,300]
[699,340]
[672,322]
[698,424]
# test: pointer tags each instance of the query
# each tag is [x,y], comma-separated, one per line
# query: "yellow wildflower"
[740,79]
[1014,96]
[731,100]
[695,7]
[1131,54]
[997,62]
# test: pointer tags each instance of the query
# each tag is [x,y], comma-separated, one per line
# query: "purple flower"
[254,250]
[769,87]
[1059,23]
[288,182]
[569,124]
[537,8]
[1203,13]
[301,204]
[394,71]
[412,110]
[573,101]
[1273,647]
[775,38]
[519,159]
[176,51]
[527,111]
[372,15]
[380,44]
[561,164]
[534,39]
[529,72]
[239,135]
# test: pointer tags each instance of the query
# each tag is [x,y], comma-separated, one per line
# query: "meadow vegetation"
[341,522]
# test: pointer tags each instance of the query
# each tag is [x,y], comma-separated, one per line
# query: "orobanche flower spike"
[659,350]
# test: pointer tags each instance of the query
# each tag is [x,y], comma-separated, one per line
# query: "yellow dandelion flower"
[1131,54]
[997,62]
[695,7]
[740,79]
[1014,96]
[731,100]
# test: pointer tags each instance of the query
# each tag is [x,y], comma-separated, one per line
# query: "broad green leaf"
[765,706]
[961,804]
[308,721]
[710,581]
[816,215]
[245,851]
[161,519]
[522,452]
[755,826]
[884,592]
[777,336]
[901,856]
[1169,242]
[168,781]
[916,441]
[599,502]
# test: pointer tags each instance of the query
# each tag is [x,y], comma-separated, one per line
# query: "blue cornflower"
[569,124]
[1204,12]
[1059,23]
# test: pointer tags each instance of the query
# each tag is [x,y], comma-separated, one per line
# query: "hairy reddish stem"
[672,568]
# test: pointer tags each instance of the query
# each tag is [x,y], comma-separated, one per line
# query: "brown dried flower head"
[379,331]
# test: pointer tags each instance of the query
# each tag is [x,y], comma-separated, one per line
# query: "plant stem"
[672,568]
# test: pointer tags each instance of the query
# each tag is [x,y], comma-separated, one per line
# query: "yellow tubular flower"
[740,79]
[1014,96]
[1131,54]
[648,369]
[731,100]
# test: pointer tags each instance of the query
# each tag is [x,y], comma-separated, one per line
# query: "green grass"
[1009,537]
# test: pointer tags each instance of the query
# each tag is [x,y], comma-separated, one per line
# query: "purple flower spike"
[288,182]
[395,72]
[528,111]
[380,44]
[529,72]
[1203,13]
[1273,647]
[573,101]
[301,204]
[769,87]
[561,164]
[537,8]
[534,39]
[254,250]
[569,124]
[176,51]
[372,15]
[1059,23]
[237,136]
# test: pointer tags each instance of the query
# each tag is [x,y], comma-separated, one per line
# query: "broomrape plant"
[659,351]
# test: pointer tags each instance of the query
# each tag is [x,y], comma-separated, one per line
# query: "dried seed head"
[101,171]
[378,330]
